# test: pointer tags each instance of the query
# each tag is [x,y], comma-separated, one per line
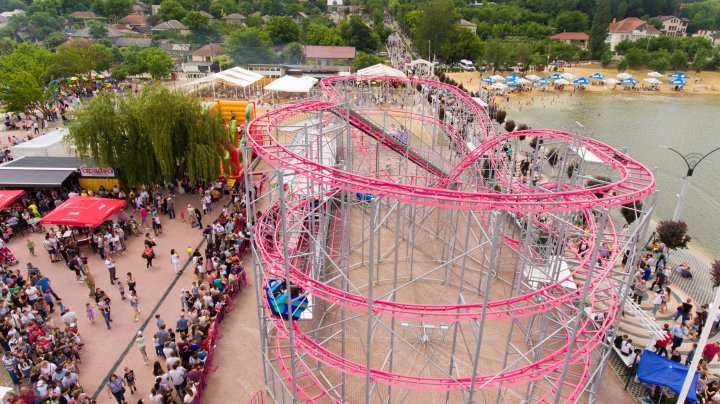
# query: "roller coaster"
[402,254]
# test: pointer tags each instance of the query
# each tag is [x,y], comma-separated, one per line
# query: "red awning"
[83,211]
[7,197]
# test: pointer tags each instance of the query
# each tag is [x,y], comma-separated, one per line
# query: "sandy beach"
[705,83]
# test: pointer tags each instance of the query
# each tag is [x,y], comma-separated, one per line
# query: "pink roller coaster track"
[634,182]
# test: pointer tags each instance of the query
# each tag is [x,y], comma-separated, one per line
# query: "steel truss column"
[599,231]
[494,218]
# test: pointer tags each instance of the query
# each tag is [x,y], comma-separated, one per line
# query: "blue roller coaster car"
[275,290]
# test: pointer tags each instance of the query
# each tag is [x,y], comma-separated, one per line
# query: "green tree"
[152,137]
[659,61]
[272,7]
[699,60]
[221,8]
[254,21]
[42,24]
[249,45]
[82,57]
[54,40]
[622,66]
[438,18]
[282,29]
[571,21]
[116,9]
[496,54]
[171,10]
[195,21]
[97,29]
[26,75]
[636,58]
[363,60]
[357,34]
[679,60]
[156,62]
[293,53]
[318,34]
[461,44]
[599,30]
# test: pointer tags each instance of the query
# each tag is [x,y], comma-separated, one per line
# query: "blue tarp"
[660,371]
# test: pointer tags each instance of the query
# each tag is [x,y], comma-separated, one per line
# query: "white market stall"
[380,70]
[51,144]
[236,76]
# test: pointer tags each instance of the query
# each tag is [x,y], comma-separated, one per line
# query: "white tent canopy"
[480,101]
[380,70]
[290,84]
[236,75]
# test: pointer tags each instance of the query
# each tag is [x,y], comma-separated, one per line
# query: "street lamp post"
[691,161]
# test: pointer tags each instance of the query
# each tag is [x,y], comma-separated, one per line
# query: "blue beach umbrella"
[581,81]
[543,81]
[597,76]
[555,77]
[678,82]
[511,77]
[512,83]
[488,80]
[679,75]
[629,81]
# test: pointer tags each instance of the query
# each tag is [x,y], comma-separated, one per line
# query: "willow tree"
[153,136]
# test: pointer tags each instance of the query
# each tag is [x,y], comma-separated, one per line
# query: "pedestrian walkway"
[700,287]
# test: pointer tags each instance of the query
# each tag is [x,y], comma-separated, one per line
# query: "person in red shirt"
[661,344]
[710,351]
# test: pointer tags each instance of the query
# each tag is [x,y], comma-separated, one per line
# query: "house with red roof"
[577,38]
[632,29]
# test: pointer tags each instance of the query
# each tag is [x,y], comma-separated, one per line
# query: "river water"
[641,123]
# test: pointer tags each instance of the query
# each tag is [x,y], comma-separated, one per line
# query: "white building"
[632,29]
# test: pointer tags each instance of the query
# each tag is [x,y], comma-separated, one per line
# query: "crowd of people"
[41,353]
[40,356]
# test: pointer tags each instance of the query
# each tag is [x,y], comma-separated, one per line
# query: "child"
[129,377]
[121,289]
[182,215]
[90,313]
[134,304]
[30,246]
[158,346]
[189,251]
[49,300]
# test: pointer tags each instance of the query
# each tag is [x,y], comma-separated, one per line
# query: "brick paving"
[103,347]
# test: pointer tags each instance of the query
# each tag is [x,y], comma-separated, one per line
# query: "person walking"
[129,377]
[175,261]
[662,343]
[31,247]
[140,342]
[116,388]
[90,282]
[170,208]
[110,264]
[135,305]
[656,302]
[684,310]
[105,311]
[640,289]
[130,282]
[90,313]
[679,332]
[148,254]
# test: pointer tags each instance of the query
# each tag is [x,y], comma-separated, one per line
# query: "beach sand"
[708,83]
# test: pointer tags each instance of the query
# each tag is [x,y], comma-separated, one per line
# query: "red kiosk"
[83,211]
[7,197]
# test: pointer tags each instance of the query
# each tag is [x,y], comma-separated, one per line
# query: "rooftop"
[670,17]
[141,42]
[571,36]
[209,50]
[234,17]
[631,24]
[329,52]
[84,15]
[167,25]
[466,23]
[134,19]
